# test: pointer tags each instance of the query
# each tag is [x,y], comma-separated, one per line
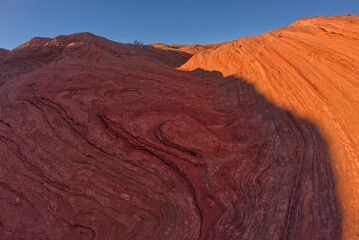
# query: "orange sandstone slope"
[310,68]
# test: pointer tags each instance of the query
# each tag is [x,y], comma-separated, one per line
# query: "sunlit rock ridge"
[311,69]
[251,139]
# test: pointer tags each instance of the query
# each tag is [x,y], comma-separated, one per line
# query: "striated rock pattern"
[39,52]
[100,140]
[311,69]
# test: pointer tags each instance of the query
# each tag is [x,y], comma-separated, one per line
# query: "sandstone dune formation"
[103,140]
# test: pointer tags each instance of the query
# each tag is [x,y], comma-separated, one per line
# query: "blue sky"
[180,22]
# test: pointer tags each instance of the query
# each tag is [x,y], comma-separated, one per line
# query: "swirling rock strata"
[39,52]
[310,69]
[100,145]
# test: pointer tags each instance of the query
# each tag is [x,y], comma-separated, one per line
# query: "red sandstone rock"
[101,140]
[310,69]
[39,52]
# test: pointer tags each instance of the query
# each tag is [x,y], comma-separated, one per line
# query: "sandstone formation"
[191,49]
[310,69]
[102,140]
[39,52]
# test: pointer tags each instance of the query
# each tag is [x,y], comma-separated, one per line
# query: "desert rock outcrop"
[102,140]
[310,69]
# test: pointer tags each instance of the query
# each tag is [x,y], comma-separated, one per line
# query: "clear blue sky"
[181,22]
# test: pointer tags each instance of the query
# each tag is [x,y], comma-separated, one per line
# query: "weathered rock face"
[39,52]
[102,140]
[311,69]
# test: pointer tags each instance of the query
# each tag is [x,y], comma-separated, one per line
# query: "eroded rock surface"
[311,69]
[101,140]
[39,52]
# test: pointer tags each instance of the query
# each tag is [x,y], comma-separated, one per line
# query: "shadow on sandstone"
[280,182]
